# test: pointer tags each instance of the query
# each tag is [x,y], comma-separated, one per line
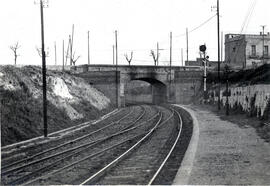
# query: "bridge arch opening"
[147,90]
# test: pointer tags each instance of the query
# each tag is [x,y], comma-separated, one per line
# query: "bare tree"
[40,53]
[155,57]
[129,59]
[73,59]
[14,48]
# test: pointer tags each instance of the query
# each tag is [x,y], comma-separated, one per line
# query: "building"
[247,51]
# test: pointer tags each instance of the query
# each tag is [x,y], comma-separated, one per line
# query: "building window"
[233,49]
[253,50]
[265,50]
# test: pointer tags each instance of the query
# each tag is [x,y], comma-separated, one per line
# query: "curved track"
[132,148]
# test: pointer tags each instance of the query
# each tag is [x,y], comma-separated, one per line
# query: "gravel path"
[228,154]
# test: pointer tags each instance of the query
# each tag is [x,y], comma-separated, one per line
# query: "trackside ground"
[221,152]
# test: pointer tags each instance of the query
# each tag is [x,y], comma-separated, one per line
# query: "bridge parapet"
[132,68]
[176,84]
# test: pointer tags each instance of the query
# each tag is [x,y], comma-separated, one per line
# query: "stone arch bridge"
[174,85]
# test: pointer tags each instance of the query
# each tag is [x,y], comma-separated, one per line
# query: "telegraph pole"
[63,68]
[71,45]
[43,73]
[69,41]
[187,43]
[88,48]
[55,57]
[226,71]
[227,94]
[263,26]
[116,68]
[113,53]
[182,59]
[221,47]
[158,49]
[170,57]
[218,55]
[157,53]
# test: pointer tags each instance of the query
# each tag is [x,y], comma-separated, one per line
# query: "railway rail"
[15,169]
[73,141]
[142,162]
[145,136]
[9,155]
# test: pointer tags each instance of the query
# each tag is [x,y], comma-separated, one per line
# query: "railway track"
[81,137]
[19,171]
[27,149]
[131,149]
[142,162]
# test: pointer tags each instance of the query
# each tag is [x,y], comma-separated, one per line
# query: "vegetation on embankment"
[260,75]
[70,101]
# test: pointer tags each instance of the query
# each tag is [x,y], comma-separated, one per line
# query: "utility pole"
[226,71]
[221,48]
[113,53]
[170,57]
[88,48]
[116,68]
[218,55]
[55,57]
[157,57]
[227,94]
[157,53]
[71,45]
[263,26]
[63,67]
[187,43]
[43,73]
[182,58]
[69,40]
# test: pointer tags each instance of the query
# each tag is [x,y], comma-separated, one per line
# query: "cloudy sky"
[140,24]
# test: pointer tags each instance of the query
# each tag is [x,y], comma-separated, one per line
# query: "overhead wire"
[197,27]
[248,16]
[251,13]
[245,24]
[142,50]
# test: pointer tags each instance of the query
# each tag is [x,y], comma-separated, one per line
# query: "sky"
[140,25]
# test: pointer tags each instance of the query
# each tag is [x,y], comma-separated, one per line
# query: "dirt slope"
[70,101]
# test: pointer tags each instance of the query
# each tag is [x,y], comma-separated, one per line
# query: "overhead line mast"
[45,130]
[218,35]
[116,68]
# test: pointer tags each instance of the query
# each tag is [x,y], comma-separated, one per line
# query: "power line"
[248,16]
[202,24]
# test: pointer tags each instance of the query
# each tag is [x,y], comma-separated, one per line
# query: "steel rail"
[81,160]
[90,156]
[80,126]
[179,127]
[87,145]
[122,155]
[59,153]
[148,133]
[7,157]
[61,145]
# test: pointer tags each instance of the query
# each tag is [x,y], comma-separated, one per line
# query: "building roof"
[234,37]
